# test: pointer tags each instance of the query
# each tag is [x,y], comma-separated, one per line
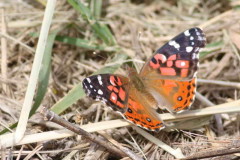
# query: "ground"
[110,37]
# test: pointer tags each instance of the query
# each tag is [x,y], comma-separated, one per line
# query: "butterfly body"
[167,81]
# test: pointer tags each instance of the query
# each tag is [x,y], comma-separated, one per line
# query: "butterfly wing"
[170,75]
[177,59]
[141,111]
[173,95]
[116,92]
[108,88]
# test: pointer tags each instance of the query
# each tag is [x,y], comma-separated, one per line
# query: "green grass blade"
[84,43]
[100,30]
[44,73]
[96,8]
[213,45]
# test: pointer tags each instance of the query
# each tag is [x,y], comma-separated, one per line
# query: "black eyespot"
[179,98]
[129,110]
[148,119]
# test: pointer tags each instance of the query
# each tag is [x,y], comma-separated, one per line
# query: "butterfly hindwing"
[108,88]
[177,59]
[175,96]
[141,110]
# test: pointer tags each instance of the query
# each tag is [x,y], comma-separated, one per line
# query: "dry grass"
[138,28]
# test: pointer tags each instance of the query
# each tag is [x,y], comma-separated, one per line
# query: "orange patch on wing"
[153,65]
[169,63]
[184,72]
[133,104]
[119,104]
[138,114]
[172,57]
[110,88]
[122,94]
[187,95]
[112,80]
[169,83]
[119,82]
[167,71]
[158,57]
[115,89]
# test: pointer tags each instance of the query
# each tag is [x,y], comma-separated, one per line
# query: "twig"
[215,19]
[111,148]
[217,117]
[119,146]
[177,153]
[213,153]
[17,41]
[222,83]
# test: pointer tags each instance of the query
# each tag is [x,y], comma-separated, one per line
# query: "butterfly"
[166,81]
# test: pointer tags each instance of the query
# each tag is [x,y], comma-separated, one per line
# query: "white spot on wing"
[174,44]
[113,98]
[91,86]
[189,49]
[89,80]
[99,79]
[183,64]
[186,33]
[100,92]
[191,38]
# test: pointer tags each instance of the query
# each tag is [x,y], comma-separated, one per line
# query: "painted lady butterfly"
[167,80]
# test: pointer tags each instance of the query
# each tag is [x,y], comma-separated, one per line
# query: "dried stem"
[213,153]
[51,116]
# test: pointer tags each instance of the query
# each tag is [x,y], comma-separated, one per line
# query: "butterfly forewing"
[177,59]
[109,88]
